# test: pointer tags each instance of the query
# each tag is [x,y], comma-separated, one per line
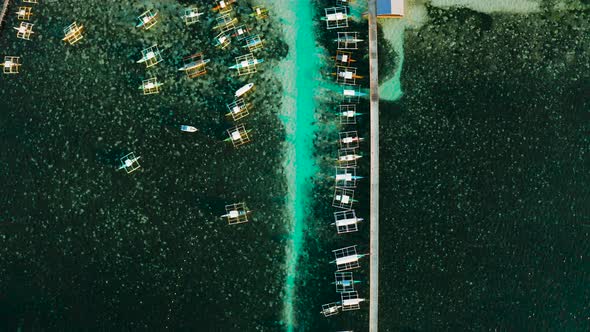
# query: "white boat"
[334,17]
[349,157]
[353,93]
[235,213]
[241,91]
[350,114]
[346,177]
[247,63]
[192,14]
[193,64]
[347,39]
[189,129]
[150,85]
[147,56]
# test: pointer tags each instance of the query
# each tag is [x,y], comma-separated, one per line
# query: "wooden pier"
[374,195]
[3,12]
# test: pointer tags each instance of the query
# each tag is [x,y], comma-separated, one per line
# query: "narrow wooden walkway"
[3,12]
[374,199]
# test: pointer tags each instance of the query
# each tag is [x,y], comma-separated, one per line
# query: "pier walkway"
[3,11]
[374,197]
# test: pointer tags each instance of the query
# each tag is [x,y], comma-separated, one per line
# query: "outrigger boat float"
[191,15]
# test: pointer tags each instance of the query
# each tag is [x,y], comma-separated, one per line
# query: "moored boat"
[188,129]
[241,91]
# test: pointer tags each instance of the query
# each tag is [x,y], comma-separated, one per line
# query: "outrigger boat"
[350,114]
[151,85]
[10,64]
[225,22]
[194,65]
[73,33]
[223,5]
[147,20]
[129,163]
[24,31]
[252,43]
[353,93]
[241,91]
[348,140]
[347,259]
[346,177]
[349,157]
[190,15]
[337,16]
[260,12]
[24,13]
[348,39]
[348,75]
[330,309]
[346,283]
[188,129]
[235,137]
[152,55]
[235,214]
[247,63]
[241,32]
[222,40]
[343,58]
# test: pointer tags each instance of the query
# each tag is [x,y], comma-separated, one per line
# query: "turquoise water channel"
[300,71]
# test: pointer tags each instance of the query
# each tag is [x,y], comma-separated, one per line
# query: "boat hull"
[188,129]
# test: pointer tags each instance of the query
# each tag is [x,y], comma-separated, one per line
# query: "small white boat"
[241,91]
[188,129]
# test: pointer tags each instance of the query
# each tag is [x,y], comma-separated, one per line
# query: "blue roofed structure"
[390,8]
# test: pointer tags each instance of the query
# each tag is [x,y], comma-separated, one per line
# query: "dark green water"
[86,247]
[485,181]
